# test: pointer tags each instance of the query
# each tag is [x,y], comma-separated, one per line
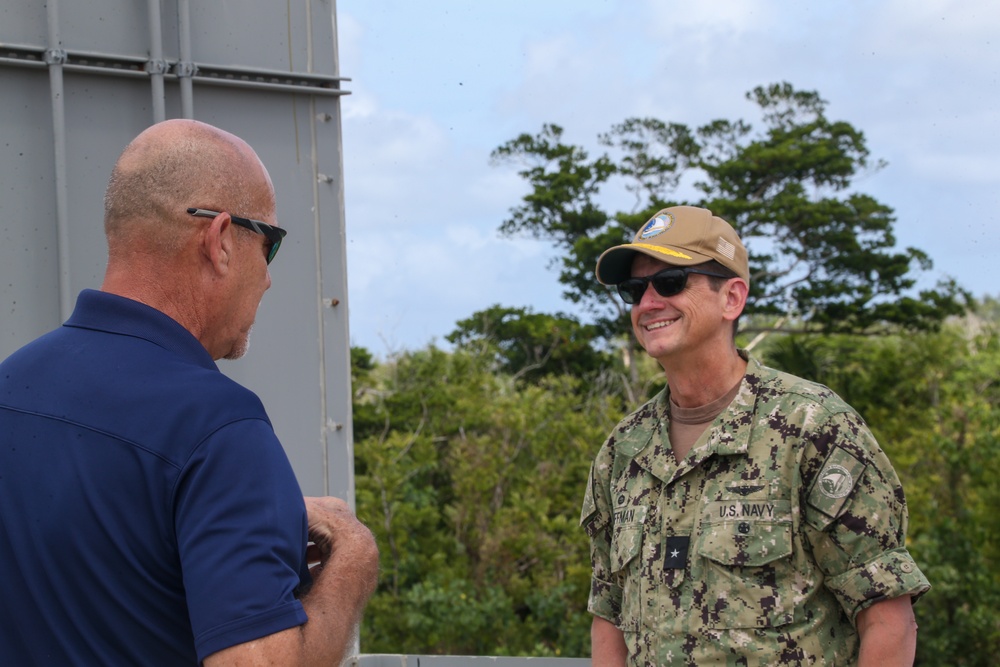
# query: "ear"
[735,292]
[217,243]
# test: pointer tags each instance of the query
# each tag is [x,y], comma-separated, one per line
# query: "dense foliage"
[532,344]
[472,483]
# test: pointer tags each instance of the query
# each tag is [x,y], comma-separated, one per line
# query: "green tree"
[819,250]
[816,248]
[472,483]
[533,345]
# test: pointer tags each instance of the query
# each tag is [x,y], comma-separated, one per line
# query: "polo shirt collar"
[110,313]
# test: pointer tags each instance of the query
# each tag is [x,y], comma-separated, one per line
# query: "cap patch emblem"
[725,248]
[836,481]
[660,223]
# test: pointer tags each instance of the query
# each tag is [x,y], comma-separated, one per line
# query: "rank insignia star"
[676,553]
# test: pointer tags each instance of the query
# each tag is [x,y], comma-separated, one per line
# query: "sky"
[437,85]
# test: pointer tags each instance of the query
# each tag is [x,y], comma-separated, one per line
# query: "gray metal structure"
[79,80]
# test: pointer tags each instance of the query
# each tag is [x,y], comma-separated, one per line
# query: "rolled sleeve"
[605,600]
[890,575]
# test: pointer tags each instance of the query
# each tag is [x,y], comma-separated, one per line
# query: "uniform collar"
[728,435]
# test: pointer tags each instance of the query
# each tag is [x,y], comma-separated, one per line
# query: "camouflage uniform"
[783,522]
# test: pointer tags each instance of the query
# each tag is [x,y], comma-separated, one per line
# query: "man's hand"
[337,534]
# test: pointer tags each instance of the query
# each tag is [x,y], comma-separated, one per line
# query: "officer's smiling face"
[666,326]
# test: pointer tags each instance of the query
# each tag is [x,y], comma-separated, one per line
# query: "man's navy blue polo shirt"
[148,514]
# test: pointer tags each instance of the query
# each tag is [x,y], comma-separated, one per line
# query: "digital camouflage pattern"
[783,522]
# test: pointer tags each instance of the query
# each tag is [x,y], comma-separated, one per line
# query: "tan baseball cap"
[680,236]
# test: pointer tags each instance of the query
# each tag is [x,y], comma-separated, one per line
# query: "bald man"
[148,514]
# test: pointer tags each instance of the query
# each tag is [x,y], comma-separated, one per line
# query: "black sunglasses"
[667,282]
[270,232]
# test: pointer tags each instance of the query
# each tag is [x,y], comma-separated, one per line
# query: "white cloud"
[958,168]
[706,19]
[955,28]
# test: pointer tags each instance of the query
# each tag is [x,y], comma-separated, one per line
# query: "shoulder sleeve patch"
[835,483]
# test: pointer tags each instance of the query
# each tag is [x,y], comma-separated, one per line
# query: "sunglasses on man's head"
[667,282]
[270,232]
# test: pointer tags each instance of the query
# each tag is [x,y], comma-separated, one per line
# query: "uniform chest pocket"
[625,547]
[626,564]
[744,557]
[626,540]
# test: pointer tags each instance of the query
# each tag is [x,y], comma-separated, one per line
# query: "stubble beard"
[240,347]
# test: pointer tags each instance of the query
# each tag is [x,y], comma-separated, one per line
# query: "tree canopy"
[470,481]
[820,252]
[532,344]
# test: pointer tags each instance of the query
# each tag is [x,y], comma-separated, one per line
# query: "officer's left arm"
[888,633]
[855,513]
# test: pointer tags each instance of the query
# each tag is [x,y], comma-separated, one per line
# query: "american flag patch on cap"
[725,248]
